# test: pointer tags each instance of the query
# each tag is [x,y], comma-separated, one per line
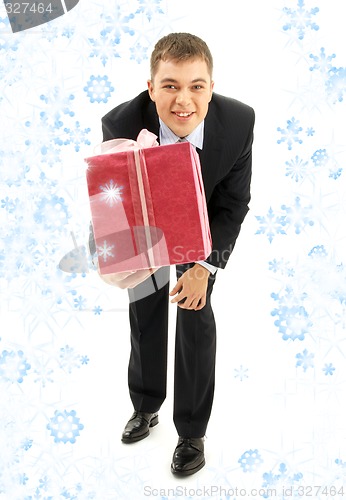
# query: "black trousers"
[195,349]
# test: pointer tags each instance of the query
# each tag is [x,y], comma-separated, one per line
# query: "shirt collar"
[195,138]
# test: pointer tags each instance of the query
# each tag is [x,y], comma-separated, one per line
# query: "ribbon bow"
[145,139]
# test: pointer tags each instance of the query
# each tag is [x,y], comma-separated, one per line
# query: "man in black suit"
[180,104]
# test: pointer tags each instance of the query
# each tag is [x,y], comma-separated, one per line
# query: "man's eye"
[198,87]
[169,87]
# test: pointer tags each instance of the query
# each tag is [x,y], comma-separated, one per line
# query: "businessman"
[179,104]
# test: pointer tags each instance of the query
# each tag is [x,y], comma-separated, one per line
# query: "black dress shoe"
[137,427]
[188,457]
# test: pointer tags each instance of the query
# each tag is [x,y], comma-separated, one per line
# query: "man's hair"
[180,47]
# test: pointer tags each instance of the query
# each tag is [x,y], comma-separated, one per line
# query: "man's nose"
[183,97]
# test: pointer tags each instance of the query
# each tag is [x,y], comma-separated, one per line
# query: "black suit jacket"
[225,160]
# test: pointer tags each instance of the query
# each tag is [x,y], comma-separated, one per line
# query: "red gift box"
[147,205]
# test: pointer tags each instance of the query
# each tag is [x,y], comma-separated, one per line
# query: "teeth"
[183,115]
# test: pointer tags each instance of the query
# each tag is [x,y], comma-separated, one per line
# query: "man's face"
[181,91]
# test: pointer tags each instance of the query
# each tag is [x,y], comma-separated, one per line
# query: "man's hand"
[128,279]
[191,288]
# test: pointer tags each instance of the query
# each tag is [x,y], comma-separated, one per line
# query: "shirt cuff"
[212,269]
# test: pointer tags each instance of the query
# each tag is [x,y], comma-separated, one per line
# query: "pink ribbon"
[145,139]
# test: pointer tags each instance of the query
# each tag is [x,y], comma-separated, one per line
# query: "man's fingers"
[138,277]
[124,275]
[128,279]
[181,295]
[191,303]
[201,304]
[177,288]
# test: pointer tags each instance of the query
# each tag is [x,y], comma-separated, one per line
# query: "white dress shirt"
[196,139]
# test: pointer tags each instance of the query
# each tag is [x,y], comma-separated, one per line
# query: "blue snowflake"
[241,373]
[328,369]
[323,63]
[281,267]
[118,24]
[38,496]
[23,479]
[320,158]
[44,483]
[80,303]
[58,287]
[58,103]
[43,374]
[52,213]
[340,463]
[336,84]
[280,479]
[77,136]
[2,262]
[4,23]
[139,53]
[43,137]
[50,31]
[10,71]
[51,155]
[250,460]
[65,426]
[150,8]
[300,19]
[9,43]
[297,216]
[9,205]
[13,169]
[318,251]
[69,359]
[68,31]
[339,292]
[291,133]
[48,127]
[13,366]
[305,360]
[97,310]
[293,320]
[310,132]
[26,444]
[335,173]
[276,266]
[50,122]
[271,224]
[74,493]
[296,169]
[103,48]
[84,360]
[98,89]
[22,257]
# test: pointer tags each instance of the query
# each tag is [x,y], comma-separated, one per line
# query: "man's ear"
[211,90]
[151,90]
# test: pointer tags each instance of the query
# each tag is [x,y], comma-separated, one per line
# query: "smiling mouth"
[182,115]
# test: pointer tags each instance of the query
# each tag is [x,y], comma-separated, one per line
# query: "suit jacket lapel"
[212,151]
[151,119]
